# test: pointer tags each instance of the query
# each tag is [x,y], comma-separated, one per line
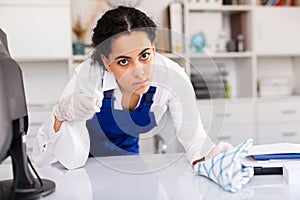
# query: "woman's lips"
[142,83]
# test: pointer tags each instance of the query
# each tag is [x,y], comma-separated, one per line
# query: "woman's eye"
[123,62]
[145,56]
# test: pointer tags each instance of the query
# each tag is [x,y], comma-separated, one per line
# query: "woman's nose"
[138,71]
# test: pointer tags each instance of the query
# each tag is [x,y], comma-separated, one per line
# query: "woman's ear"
[105,61]
[153,47]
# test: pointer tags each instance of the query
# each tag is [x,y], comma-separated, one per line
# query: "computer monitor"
[13,128]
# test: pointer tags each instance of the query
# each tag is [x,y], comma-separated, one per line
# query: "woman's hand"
[226,168]
[75,107]
[220,148]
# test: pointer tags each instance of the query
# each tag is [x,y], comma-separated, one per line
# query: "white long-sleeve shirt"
[174,91]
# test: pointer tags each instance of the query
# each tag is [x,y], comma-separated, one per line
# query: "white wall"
[154,9]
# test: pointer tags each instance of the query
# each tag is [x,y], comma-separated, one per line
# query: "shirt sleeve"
[186,118]
[44,143]
[189,129]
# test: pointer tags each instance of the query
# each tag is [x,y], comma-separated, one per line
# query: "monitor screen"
[5,122]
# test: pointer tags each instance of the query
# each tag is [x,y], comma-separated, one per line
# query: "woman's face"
[131,61]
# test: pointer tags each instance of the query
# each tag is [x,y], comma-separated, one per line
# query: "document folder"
[269,158]
[277,156]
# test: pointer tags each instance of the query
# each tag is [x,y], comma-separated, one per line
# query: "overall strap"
[147,100]
[108,98]
[108,94]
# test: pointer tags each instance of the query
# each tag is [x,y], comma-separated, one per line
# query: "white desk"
[98,180]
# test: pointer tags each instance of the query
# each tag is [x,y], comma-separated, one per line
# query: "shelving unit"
[257,24]
[199,18]
[222,8]
[278,117]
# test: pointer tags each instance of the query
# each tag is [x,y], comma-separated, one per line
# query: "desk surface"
[149,177]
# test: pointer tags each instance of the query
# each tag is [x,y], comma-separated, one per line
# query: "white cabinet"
[278,121]
[278,112]
[277,30]
[234,122]
[236,134]
[277,44]
[278,132]
[37,31]
[40,40]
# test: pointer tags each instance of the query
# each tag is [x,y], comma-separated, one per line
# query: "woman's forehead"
[130,43]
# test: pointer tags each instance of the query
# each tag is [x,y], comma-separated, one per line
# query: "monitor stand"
[24,185]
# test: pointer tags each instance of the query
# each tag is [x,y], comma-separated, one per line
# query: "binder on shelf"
[175,11]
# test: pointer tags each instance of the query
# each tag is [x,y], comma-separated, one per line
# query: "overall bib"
[116,132]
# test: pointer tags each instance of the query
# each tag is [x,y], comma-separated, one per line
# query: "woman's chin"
[142,90]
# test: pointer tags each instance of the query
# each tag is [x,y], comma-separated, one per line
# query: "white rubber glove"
[76,107]
[226,168]
[220,148]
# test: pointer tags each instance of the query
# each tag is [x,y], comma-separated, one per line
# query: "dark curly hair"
[117,22]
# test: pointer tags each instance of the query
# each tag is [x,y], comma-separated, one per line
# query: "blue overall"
[116,132]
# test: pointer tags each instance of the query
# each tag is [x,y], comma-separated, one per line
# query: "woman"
[123,91]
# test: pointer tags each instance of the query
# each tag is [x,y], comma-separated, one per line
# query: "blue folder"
[277,156]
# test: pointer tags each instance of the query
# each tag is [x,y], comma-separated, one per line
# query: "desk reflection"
[72,184]
[101,178]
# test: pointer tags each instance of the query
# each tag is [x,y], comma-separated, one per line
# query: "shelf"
[35,3]
[251,99]
[40,59]
[223,100]
[79,58]
[278,7]
[279,98]
[277,55]
[226,9]
[223,55]
[174,55]
[40,107]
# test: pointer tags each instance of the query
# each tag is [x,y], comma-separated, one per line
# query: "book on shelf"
[234,2]
[175,14]
[278,2]
[238,26]
[163,35]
